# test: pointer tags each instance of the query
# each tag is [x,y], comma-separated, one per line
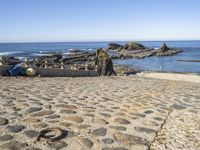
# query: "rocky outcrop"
[139,52]
[163,47]
[104,63]
[113,46]
[131,46]
[164,50]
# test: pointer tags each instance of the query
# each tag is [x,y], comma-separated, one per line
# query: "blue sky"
[98,20]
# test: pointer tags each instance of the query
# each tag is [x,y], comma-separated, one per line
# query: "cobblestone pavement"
[104,113]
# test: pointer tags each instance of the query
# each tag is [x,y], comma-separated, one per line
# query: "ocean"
[191,51]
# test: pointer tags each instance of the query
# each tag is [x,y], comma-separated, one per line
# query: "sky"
[98,20]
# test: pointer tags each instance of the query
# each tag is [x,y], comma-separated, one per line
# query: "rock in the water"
[15,128]
[164,50]
[113,46]
[3,121]
[100,132]
[163,47]
[86,143]
[133,46]
[6,137]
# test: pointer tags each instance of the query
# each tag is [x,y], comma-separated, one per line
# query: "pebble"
[6,137]
[14,146]
[115,148]
[122,121]
[15,128]
[100,132]
[178,107]
[31,120]
[146,130]
[76,119]
[58,145]
[86,143]
[3,121]
[42,113]
[53,116]
[129,140]
[119,128]
[108,141]
[67,111]
[67,106]
[33,109]
[100,121]
[105,114]
[148,112]
[31,133]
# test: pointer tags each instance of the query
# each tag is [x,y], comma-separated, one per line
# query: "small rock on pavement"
[15,128]
[100,132]
[108,141]
[6,137]
[85,142]
[58,145]
[14,146]
[31,133]
[122,121]
[3,121]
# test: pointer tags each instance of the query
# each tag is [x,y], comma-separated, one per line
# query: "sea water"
[191,51]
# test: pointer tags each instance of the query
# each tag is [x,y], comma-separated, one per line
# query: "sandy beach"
[101,113]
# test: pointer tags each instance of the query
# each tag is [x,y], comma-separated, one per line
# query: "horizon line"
[98,41]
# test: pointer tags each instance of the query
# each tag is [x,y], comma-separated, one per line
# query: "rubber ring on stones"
[43,133]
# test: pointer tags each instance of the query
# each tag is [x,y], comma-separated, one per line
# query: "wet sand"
[100,113]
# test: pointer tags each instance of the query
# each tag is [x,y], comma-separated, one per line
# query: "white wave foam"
[9,53]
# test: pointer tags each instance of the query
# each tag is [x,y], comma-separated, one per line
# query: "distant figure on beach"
[104,63]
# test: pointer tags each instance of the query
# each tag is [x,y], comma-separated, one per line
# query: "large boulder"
[163,47]
[104,63]
[133,46]
[113,46]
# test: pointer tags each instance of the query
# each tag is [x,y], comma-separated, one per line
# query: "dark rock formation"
[130,46]
[7,60]
[104,63]
[138,51]
[163,48]
[113,46]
